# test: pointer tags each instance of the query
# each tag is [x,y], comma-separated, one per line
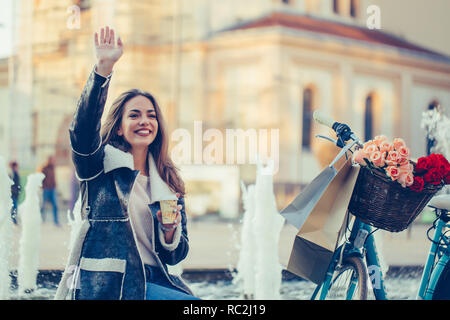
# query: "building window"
[353,8]
[307,118]
[336,6]
[368,118]
[430,142]
[83,4]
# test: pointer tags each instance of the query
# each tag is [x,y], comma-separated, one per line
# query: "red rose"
[447,178]
[432,177]
[443,168]
[423,164]
[446,164]
[417,184]
[435,159]
[442,159]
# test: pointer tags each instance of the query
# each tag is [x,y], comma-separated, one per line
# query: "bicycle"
[356,261]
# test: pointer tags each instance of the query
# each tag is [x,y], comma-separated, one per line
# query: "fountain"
[245,267]
[267,228]
[30,215]
[6,235]
[259,268]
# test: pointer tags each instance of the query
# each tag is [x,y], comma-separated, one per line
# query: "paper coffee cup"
[168,211]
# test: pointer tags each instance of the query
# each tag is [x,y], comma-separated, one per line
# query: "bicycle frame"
[362,243]
[368,250]
[429,276]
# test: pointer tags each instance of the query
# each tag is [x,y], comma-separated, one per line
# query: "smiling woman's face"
[139,124]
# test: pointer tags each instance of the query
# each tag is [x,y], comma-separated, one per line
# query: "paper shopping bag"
[323,227]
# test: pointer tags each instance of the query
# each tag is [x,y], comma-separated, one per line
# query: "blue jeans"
[159,288]
[14,210]
[50,196]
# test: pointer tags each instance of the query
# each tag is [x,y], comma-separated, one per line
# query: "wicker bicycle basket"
[385,204]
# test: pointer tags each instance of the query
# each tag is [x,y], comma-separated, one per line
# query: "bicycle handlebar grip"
[324,119]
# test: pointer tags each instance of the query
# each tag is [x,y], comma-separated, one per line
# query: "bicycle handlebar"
[324,119]
[343,131]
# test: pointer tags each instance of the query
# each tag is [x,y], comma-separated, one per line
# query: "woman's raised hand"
[107,50]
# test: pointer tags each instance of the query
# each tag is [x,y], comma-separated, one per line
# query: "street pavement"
[215,245]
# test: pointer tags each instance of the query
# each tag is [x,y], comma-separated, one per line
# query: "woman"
[122,248]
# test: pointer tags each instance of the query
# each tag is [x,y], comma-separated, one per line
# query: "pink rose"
[393,172]
[370,147]
[406,179]
[409,180]
[377,158]
[393,158]
[398,142]
[358,157]
[385,146]
[378,140]
[403,153]
[406,168]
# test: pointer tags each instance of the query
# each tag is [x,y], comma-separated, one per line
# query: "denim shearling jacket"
[104,262]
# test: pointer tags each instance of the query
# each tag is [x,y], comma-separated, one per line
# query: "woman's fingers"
[111,37]
[96,39]
[102,36]
[107,35]
[177,219]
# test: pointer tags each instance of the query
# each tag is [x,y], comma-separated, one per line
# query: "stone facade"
[231,65]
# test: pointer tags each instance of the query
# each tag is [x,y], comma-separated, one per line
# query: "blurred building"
[422,22]
[215,65]
[5,103]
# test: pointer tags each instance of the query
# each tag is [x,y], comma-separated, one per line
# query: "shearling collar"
[116,158]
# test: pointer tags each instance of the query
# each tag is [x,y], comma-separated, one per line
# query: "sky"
[5,27]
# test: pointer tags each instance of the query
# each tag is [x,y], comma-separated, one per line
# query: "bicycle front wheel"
[349,282]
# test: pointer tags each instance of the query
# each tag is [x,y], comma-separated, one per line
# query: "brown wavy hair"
[159,148]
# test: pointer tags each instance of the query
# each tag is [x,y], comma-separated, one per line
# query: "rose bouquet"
[393,159]
[431,170]
[391,190]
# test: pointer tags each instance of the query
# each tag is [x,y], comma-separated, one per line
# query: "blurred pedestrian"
[15,189]
[49,186]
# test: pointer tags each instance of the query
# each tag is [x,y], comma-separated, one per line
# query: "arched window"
[84,4]
[308,96]
[336,6]
[368,118]
[353,8]
[430,141]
